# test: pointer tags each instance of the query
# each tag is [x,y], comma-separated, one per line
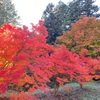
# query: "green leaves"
[8,13]
[58,18]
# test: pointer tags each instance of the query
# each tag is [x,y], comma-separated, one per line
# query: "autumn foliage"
[26,58]
[22,96]
[85,33]
[20,54]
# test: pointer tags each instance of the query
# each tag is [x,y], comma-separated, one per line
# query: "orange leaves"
[26,79]
[20,49]
[1,80]
[22,96]
[79,35]
[83,34]
[25,57]
[62,80]
[97,76]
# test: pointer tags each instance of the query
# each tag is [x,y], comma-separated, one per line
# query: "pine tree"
[8,14]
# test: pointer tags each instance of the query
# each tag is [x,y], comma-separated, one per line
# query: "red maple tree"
[25,57]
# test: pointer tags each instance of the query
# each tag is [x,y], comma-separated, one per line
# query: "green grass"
[89,84]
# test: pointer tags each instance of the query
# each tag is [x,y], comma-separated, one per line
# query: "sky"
[31,11]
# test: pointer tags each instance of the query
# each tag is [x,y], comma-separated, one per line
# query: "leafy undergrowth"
[90,91]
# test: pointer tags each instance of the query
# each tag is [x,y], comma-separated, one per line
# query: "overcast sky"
[31,11]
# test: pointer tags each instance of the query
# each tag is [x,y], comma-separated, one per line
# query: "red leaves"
[67,65]
[25,57]
[84,52]
[22,96]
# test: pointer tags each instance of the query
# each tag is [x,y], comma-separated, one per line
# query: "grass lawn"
[90,91]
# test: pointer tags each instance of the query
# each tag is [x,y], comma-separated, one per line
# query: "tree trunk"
[55,89]
[81,86]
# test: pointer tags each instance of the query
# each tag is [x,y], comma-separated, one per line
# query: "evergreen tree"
[78,8]
[8,13]
[54,20]
[58,18]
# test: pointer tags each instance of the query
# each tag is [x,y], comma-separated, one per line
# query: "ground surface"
[90,91]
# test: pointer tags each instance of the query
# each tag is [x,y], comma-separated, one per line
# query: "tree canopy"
[85,33]
[58,18]
[8,14]
[25,57]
